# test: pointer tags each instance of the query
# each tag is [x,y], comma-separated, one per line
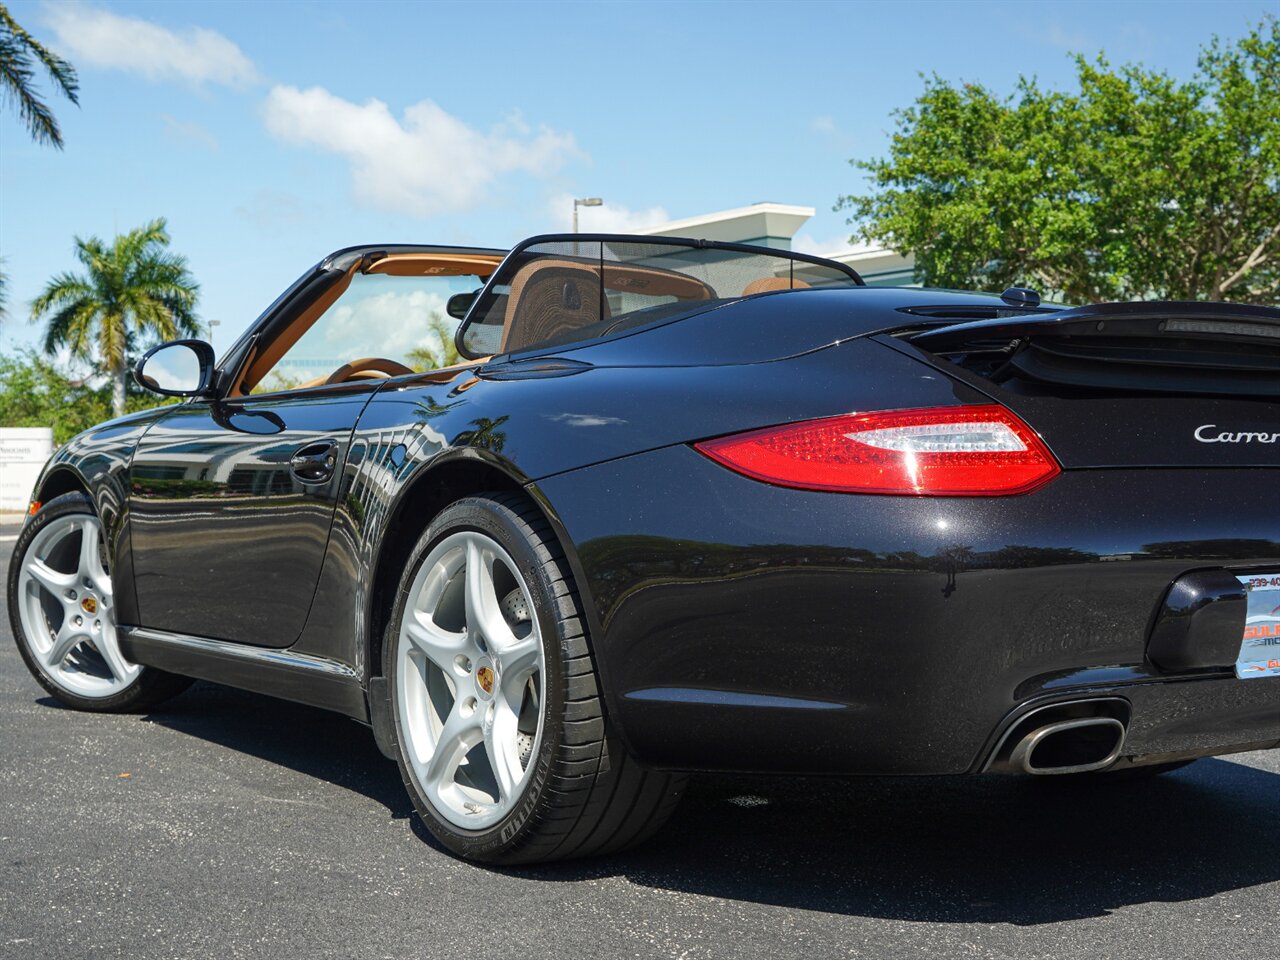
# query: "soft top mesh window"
[565,290]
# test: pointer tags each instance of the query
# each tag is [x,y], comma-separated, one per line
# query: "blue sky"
[269,133]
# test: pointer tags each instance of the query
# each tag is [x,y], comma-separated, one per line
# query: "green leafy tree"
[19,54]
[1134,186]
[275,381]
[130,291]
[440,352]
[36,392]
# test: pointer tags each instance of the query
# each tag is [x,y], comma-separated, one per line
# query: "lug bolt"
[97,624]
[71,595]
[77,620]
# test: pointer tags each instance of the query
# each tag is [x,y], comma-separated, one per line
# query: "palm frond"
[130,292]
[71,327]
[62,289]
[63,73]
[17,79]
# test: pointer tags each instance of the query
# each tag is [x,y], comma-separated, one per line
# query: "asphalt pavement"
[228,825]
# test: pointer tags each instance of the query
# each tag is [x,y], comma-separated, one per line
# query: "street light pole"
[586,202]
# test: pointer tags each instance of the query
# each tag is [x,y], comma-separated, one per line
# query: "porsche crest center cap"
[484,677]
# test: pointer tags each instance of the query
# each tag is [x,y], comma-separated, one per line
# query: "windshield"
[568,289]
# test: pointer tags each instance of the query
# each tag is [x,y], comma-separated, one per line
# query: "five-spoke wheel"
[498,719]
[65,604]
[470,683]
[63,611]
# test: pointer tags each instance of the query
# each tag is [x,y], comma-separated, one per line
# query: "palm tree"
[132,288]
[18,49]
[442,353]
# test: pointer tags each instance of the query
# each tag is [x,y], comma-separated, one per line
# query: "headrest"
[769,284]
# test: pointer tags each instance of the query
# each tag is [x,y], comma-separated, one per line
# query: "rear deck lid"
[1129,384]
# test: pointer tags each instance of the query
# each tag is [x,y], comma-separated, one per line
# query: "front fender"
[97,461]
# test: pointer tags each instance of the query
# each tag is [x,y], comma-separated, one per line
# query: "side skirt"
[299,677]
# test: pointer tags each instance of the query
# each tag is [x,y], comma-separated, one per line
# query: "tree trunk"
[117,390]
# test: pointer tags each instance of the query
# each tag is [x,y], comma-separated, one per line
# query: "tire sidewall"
[65,505]
[499,522]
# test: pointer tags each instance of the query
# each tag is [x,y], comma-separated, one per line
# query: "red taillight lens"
[972,451]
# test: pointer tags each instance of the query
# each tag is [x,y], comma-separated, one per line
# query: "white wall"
[23,451]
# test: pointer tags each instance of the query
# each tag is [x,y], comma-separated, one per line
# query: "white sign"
[23,453]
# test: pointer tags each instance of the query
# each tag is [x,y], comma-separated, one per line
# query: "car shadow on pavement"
[318,743]
[961,850]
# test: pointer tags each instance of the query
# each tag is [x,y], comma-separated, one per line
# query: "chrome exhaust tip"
[1081,745]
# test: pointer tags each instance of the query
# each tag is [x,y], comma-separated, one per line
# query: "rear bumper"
[740,626]
[1173,720]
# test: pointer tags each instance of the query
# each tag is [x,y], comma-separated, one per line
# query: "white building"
[23,452]
[774,225]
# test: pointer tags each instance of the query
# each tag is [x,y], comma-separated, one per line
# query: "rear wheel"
[501,738]
[62,610]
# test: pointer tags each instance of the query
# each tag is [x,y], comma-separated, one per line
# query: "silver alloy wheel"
[469,680]
[67,609]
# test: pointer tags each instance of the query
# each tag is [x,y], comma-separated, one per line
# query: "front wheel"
[62,610]
[501,738]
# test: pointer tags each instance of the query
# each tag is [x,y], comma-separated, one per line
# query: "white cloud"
[584,419]
[393,323]
[607,218]
[189,132]
[1058,36]
[823,124]
[95,37]
[824,246]
[387,324]
[430,163]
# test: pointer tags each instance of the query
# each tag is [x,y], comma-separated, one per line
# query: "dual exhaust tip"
[1079,737]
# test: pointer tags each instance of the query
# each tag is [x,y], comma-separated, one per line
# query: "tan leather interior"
[655,283]
[769,284]
[366,366]
[440,374]
[397,264]
[269,355]
[445,374]
[435,265]
[551,296]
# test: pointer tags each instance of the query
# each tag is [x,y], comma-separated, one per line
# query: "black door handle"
[315,462]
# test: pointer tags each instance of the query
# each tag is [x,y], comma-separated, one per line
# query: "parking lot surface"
[229,825]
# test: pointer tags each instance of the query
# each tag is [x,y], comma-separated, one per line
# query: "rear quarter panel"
[746,627]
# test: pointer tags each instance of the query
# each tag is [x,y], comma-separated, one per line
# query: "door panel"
[230,509]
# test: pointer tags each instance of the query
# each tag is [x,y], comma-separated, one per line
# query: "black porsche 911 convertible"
[685,506]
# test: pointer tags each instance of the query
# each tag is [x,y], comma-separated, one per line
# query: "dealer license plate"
[1260,648]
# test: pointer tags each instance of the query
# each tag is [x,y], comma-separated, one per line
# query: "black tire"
[148,689]
[586,796]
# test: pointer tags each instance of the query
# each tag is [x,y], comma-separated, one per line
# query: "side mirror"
[179,368]
[460,303]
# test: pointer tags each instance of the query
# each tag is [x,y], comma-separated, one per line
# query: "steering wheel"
[367,367]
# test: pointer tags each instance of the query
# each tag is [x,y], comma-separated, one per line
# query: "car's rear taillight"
[967,451]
